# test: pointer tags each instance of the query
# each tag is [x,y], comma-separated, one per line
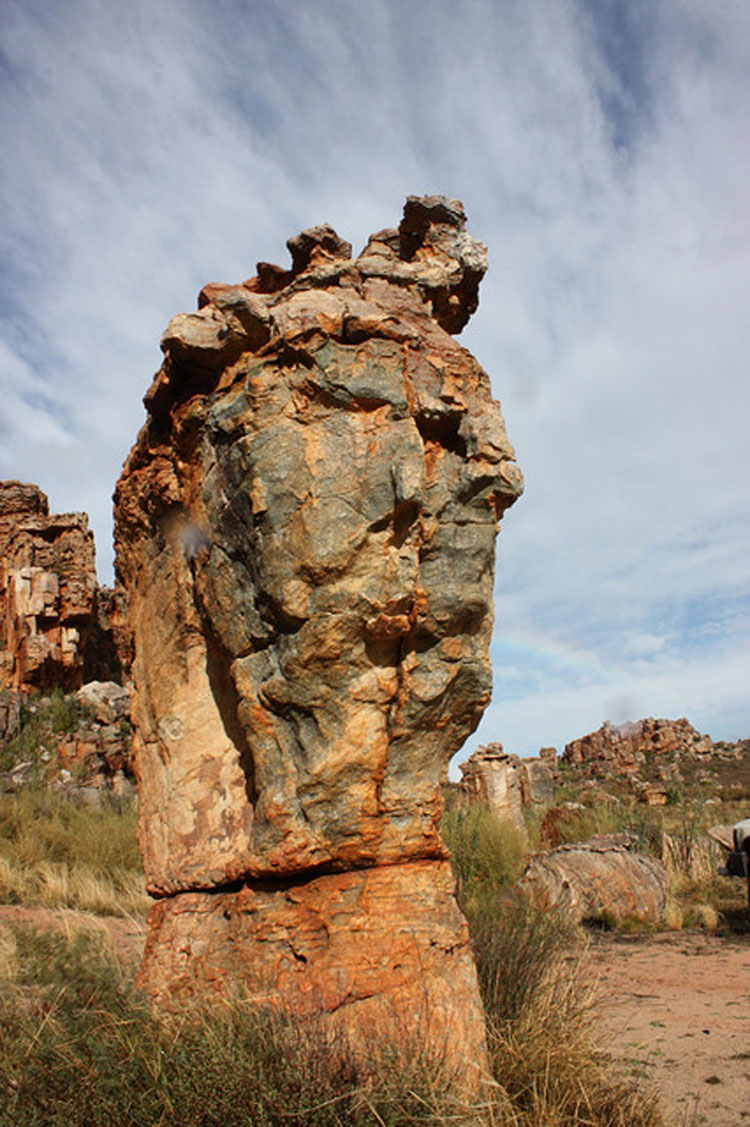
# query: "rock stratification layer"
[305,528]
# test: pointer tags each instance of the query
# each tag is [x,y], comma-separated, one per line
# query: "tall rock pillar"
[305,529]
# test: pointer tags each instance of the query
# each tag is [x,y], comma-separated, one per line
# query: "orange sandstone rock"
[375,952]
[305,529]
[624,749]
[54,619]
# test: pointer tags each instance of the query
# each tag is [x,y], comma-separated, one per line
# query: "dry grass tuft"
[79,1047]
[541,1026]
[62,855]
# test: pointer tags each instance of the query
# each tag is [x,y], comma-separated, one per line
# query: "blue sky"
[601,150]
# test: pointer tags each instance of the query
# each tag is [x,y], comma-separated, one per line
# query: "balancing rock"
[305,529]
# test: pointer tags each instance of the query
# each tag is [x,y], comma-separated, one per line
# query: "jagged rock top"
[622,748]
[431,258]
[18,497]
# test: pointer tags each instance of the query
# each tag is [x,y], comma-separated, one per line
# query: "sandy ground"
[675,1009]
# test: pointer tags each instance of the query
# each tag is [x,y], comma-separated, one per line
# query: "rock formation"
[57,627]
[505,783]
[625,749]
[599,879]
[305,529]
[79,745]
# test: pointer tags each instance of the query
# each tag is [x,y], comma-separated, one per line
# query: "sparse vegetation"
[540,1017]
[675,834]
[41,720]
[539,1012]
[64,854]
[486,853]
[79,1047]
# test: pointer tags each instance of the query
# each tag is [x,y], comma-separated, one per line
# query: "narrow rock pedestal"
[305,529]
[381,952]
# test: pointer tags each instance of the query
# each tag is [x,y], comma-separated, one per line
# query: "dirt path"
[676,1009]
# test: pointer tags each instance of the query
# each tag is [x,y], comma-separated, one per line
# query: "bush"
[486,853]
[43,719]
[515,945]
[540,1024]
[540,1015]
[79,1046]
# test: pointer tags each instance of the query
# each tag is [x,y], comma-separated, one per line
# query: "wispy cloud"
[600,150]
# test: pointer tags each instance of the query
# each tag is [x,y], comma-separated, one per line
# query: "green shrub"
[62,713]
[42,720]
[486,853]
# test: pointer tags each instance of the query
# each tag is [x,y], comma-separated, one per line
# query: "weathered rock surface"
[381,949]
[505,783]
[53,626]
[306,529]
[599,879]
[625,749]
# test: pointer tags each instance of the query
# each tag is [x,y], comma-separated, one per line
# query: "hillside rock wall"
[624,749]
[57,627]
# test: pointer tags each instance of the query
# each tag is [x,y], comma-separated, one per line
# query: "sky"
[601,150]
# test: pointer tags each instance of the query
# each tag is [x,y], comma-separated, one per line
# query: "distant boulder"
[506,783]
[599,879]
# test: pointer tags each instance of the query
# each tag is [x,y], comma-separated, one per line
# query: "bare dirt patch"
[675,1010]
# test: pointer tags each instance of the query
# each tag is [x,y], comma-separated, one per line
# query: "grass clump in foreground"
[538,1008]
[540,1024]
[60,853]
[79,1048]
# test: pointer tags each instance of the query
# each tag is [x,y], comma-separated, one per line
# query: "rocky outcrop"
[79,744]
[305,529]
[626,749]
[57,627]
[599,880]
[506,784]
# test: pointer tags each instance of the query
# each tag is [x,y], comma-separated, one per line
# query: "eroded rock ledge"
[305,529]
